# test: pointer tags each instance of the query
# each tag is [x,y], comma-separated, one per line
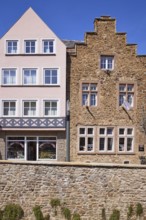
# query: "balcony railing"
[56,122]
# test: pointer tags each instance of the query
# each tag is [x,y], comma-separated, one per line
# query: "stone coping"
[74,164]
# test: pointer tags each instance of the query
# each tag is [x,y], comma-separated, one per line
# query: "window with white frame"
[9,108]
[30,46]
[86,139]
[12,46]
[107,62]
[89,94]
[48,46]
[29,76]
[50,108]
[47,148]
[29,108]
[8,76]
[106,139]
[50,76]
[126,93]
[15,147]
[126,139]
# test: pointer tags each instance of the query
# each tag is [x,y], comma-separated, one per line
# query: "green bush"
[47,217]
[130,212]
[139,209]
[55,202]
[76,216]
[66,212]
[103,214]
[38,213]
[115,215]
[1,215]
[12,212]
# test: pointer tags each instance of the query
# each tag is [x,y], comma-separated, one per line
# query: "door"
[31,150]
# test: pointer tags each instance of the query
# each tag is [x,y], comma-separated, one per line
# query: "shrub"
[47,217]
[115,215]
[38,213]
[1,215]
[54,203]
[139,209]
[76,216]
[12,212]
[103,214]
[66,212]
[130,212]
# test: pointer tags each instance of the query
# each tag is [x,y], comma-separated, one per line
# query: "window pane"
[110,144]
[85,87]
[85,99]
[47,150]
[121,144]
[121,131]
[82,144]
[130,87]
[90,130]
[90,144]
[129,131]
[121,98]
[129,144]
[102,131]
[122,87]
[15,150]
[93,99]
[82,130]
[93,87]
[109,131]
[130,99]
[101,144]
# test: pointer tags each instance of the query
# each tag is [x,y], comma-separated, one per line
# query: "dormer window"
[107,62]
[30,46]
[12,47]
[48,46]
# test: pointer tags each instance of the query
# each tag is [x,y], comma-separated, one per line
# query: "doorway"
[31,150]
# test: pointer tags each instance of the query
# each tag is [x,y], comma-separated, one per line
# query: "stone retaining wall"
[85,188]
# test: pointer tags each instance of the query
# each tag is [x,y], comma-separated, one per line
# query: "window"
[48,46]
[51,76]
[126,93]
[29,76]
[50,108]
[126,139]
[47,148]
[30,46]
[9,76]
[86,139]
[12,47]
[9,108]
[89,94]
[106,139]
[107,62]
[15,148]
[29,108]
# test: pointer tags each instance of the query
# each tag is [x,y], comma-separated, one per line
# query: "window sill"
[86,153]
[32,54]
[125,153]
[30,85]
[106,153]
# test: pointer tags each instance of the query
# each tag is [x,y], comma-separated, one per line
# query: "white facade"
[33,80]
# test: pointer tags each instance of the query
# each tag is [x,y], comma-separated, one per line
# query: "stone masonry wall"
[84,66]
[84,188]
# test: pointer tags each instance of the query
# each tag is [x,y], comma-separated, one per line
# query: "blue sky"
[70,19]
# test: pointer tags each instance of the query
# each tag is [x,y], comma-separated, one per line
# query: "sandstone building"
[32,92]
[106,85]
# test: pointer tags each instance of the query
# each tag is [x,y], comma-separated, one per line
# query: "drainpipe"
[67,131]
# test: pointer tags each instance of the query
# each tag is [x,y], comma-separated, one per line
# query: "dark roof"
[71,43]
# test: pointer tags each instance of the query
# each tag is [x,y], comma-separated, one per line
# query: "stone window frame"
[135,92]
[125,136]
[106,136]
[86,137]
[90,92]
